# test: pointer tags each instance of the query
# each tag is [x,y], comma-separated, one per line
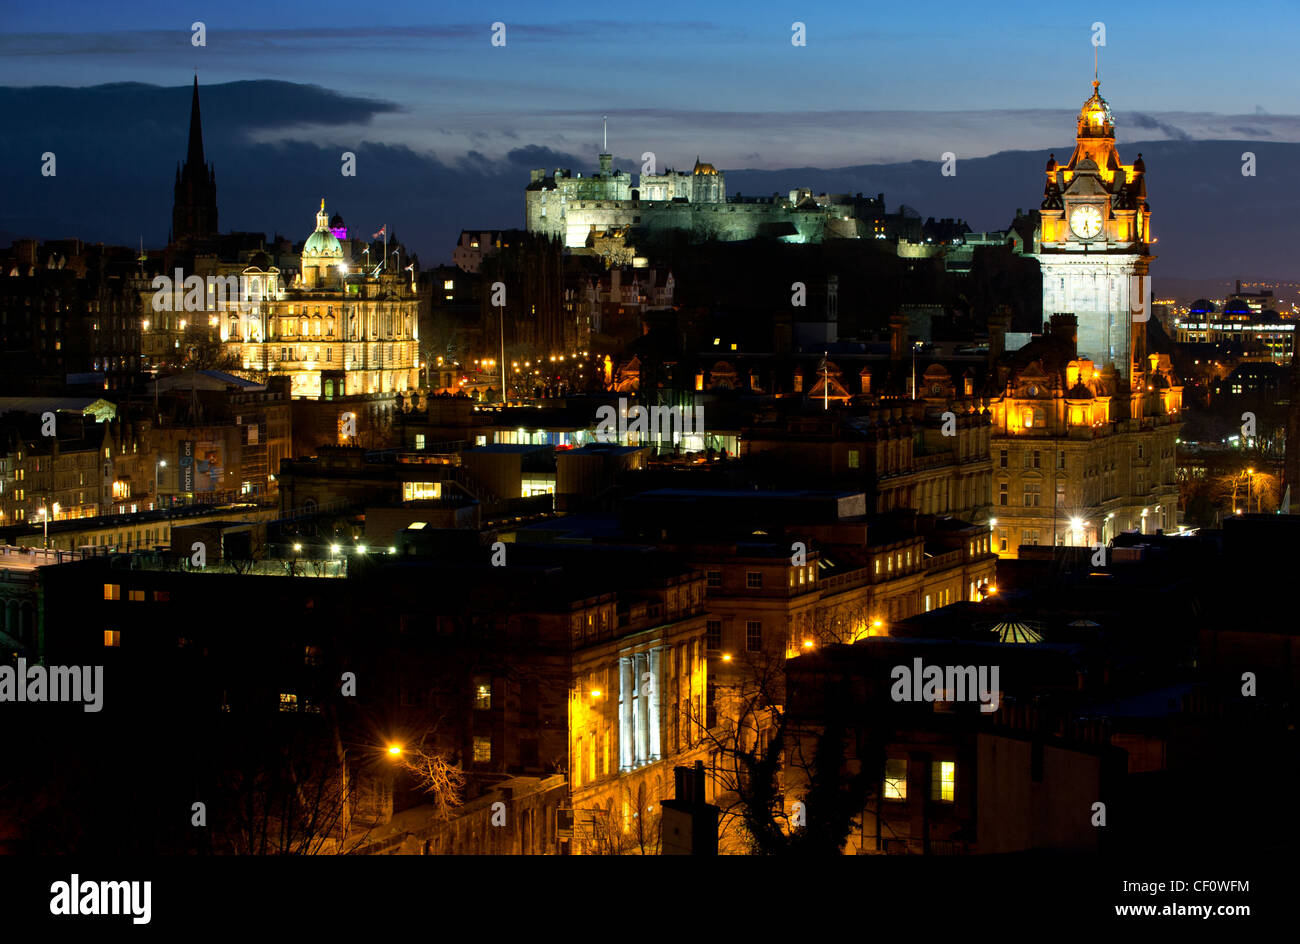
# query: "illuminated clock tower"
[1095,240]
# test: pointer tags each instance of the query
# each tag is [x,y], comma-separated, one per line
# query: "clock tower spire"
[1095,243]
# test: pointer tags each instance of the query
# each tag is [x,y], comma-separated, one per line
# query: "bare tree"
[288,797]
[761,754]
[633,830]
[436,776]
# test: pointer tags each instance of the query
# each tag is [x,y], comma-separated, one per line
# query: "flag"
[382,230]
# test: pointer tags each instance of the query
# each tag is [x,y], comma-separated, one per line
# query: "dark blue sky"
[718,78]
[446,125]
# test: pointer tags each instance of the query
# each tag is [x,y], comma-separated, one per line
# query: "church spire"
[194,203]
[195,155]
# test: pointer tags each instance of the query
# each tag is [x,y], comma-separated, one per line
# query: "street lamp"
[159,464]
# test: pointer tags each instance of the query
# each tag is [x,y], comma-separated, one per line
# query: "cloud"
[534,156]
[1147,123]
[118,147]
[126,108]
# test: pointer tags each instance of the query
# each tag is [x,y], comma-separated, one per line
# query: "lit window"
[943,781]
[419,440]
[311,655]
[854,458]
[112,638]
[896,778]
[483,693]
[482,749]
[418,490]
[288,701]
[135,596]
[162,596]
[112,591]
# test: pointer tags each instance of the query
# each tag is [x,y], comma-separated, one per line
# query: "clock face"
[1086,221]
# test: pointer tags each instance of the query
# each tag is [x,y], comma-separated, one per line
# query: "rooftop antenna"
[1096,53]
[605,147]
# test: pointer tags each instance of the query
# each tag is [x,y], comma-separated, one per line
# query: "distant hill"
[118,147]
[1209,220]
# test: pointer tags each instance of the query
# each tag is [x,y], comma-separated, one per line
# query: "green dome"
[322,242]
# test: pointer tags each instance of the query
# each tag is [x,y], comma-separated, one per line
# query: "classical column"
[656,679]
[641,715]
[626,691]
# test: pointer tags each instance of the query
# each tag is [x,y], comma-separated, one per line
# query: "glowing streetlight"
[159,464]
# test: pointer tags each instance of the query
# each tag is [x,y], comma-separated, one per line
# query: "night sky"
[446,125]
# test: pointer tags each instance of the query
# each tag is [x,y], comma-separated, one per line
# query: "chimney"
[999,322]
[688,822]
[897,336]
[1066,327]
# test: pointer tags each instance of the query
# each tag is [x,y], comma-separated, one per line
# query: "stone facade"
[572,207]
[1094,242]
[1078,458]
[339,330]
